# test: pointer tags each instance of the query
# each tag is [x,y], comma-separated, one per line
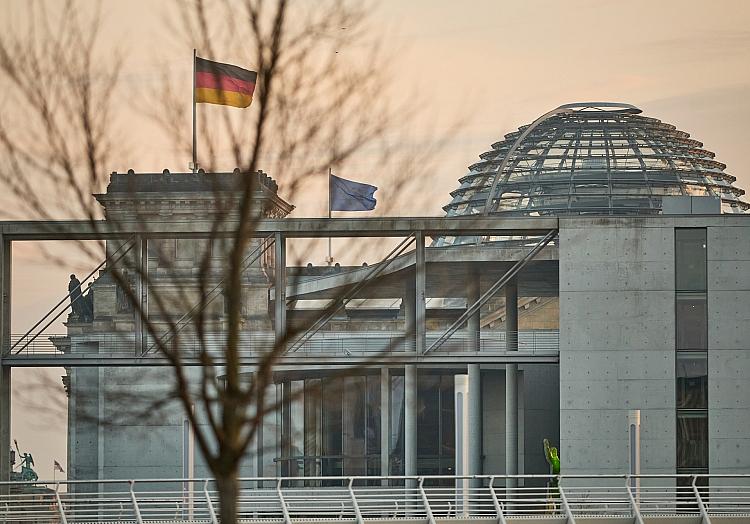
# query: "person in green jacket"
[553,459]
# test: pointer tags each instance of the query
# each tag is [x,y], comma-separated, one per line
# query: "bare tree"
[314,107]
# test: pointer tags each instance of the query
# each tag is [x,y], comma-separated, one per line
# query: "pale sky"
[497,64]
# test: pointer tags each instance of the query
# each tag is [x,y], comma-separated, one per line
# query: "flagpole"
[330,257]
[195,151]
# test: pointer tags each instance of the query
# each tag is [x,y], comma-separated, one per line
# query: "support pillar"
[385,422]
[511,382]
[474,397]
[414,312]
[420,314]
[280,289]
[5,371]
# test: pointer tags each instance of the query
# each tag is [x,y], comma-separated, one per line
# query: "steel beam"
[290,227]
[511,274]
[394,359]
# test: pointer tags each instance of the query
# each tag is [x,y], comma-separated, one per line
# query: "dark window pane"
[332,427]
[691,322]
[692,440]
[690,259]
[397,425]
[692,380]
[373,414]
[447,419]
[428,418]
[354,417]
[313,426]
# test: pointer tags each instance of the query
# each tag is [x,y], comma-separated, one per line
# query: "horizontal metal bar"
[290,227]
[297,359]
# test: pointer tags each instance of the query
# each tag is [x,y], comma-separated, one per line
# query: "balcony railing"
[323,343]
[649,498]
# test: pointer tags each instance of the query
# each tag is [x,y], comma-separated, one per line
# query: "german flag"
[224,84]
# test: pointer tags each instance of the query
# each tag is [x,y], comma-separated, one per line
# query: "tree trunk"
[229,490]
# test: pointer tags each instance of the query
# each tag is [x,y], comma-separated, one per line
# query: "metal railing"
[429,498]
[323,342]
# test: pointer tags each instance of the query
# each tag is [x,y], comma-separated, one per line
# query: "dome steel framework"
[592,158]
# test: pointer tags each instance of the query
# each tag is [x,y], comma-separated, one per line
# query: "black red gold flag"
[224,84]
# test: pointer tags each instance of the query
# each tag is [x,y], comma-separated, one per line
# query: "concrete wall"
[617,345]
[729,349]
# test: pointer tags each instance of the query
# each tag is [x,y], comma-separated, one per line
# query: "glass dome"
[592,158]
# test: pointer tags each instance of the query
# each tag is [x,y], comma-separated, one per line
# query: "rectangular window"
[692,440]
[691,341]
[692,380]
[690,259]
[691,321]
[332,412]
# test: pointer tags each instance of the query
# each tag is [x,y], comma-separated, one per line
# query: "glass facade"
[691,359]
[592,158]
[330,426]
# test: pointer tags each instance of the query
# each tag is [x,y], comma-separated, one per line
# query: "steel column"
[511,382]
[412,321]
[280,288]
[5,376]
[385,422]
[420,312]
[474,400]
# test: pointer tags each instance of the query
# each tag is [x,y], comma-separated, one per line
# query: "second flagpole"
[329,260]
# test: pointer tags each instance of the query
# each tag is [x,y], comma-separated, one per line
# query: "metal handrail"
[115,344]
[429,497]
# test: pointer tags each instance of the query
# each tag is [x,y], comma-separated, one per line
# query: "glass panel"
[692,380]
[397,425]
[373,415]
[428,416]
[354,418]
[690,259]
[691,322]
[332,427]
[313,426]
[447,425]
[692,439]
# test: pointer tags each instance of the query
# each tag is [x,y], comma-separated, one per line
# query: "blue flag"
[347,195]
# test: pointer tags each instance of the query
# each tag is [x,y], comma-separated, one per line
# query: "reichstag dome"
[592,158]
